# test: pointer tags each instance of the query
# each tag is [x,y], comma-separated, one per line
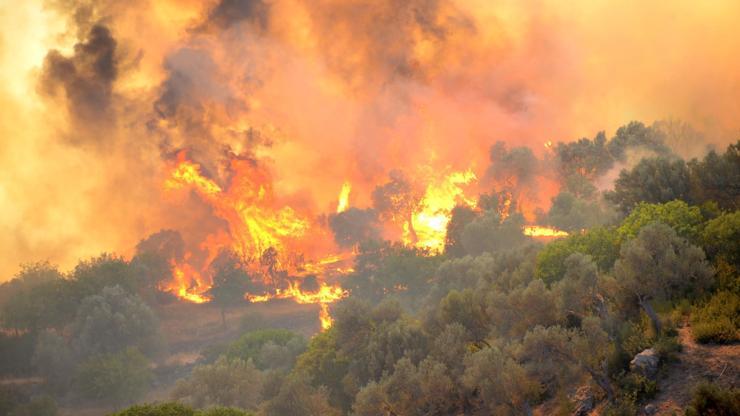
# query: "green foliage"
[160,409]
[718,320]
[638,387]
[571,213]
[297,397]
[660,265]
[106,270]
[686,220]
[10,398]
[54,360]
[117,378]
[268,348]
[324,365]
[599,243]
[717,178]
[653,180]
[224,383]
[39,297]
[178,409]
[230,282]
[114,320]
[710,399]
[721,238]
[489,234]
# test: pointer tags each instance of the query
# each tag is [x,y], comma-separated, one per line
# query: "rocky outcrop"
[646,363]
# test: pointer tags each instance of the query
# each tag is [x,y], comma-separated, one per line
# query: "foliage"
[718,320]
[657,265]
[686,220]
[224,383]
[653,180]
[117,378]
[721,238]
[297,397]
[599,243]
[570,213]
[114,320]
[178,409]
[717,178]
[106,270]
[710,399]
[268,348]
[54,360]
[16,351]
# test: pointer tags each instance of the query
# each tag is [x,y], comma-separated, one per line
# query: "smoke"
[100,94]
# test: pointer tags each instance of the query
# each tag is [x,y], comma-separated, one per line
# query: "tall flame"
[430,220]
[343,203]
[323,296]
[540,231]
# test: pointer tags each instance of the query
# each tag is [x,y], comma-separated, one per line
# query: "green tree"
[115,320]
[721,238]
[268,348]
[658,264]
[230,282]
[117,378]
[601,244]
[653,180]
[717,178]
[297,397]
[685,219]
[227,382]
[570,213]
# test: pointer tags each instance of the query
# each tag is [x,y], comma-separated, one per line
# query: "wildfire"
[540,231]
[183,285]
[325,295]
[343,203]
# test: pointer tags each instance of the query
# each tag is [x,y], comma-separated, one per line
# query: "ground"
[696,363]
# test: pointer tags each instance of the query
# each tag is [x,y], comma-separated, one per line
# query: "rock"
[645,363]
[583,400]
[650,409]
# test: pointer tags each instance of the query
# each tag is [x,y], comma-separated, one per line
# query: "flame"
[324,296]
[185,284]
[540,231]
[343,203]
[429,221]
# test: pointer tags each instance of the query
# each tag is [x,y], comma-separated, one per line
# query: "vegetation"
[498,323]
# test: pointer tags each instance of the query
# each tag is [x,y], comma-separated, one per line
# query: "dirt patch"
[719,364]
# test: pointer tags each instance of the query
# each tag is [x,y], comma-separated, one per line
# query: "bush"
[177,409]
[710,399]
[116,378]
[718,320]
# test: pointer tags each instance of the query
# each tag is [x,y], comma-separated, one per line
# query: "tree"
[227,382]
[106,270]
[601,244]
[571,213]
[460,217]
[117,378]
[268,348]
[489,233]
[653,180]
[54,360]
[636,135]
[721,238]
[397,201]
[38,297]
[297,397]
[499,383]
[154,255]
[717,178]
[230,282]
[559,354]
[113,321]
[354,226]
[659,264]
[685,219]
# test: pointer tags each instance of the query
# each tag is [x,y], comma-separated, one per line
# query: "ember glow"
[539,231]
[343,203]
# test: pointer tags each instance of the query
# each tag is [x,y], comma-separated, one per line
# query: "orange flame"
[324,296]
[540,231]
[343,203]
[430,219]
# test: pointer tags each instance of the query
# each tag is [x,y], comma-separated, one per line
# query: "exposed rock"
[583,400]
[650,409]
[645,363]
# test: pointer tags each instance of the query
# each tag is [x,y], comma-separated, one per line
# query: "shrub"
[710,399]
[718,320]
[177,409]
[117,378]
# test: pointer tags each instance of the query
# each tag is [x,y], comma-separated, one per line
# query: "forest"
[497,322]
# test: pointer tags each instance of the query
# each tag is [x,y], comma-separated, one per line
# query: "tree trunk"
[648,308]
[412,231]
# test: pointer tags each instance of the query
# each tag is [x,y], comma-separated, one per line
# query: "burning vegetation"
[364,207]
